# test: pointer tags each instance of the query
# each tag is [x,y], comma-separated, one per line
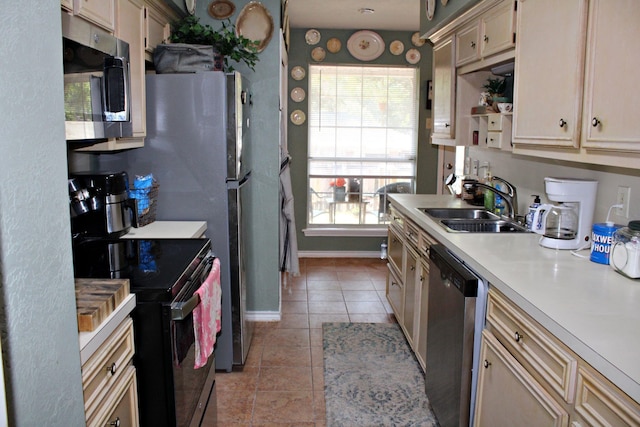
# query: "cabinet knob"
[492,122]
[486,38]
[412,268]
[595,122]
[112,369]
[447,125]
[562,123]
[486,363]
[517,336]
[116,422]
[473,45]
[421,278]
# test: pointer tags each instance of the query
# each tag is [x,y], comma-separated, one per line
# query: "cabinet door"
[395,253]
[421,345]
[498,28]
[410,288]
[549,72]
[157,29]
[395,295]
[130,28]
[444,91]
[100,12]
[611,87]
[467,49]
[508,396]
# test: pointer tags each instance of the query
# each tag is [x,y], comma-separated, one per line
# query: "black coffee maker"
[100,205]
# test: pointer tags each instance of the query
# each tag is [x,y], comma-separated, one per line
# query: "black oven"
[164,275]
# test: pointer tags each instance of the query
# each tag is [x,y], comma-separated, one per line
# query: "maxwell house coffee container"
[601,240]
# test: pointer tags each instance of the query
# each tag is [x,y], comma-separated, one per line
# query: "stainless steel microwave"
[96,82]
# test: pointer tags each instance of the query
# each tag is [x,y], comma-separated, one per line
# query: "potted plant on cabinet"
[225,41]
[496,88]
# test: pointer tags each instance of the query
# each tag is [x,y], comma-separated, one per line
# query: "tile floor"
[282,382]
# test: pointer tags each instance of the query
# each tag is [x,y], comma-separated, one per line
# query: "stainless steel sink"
[483,226]
[473,220]
[459,213]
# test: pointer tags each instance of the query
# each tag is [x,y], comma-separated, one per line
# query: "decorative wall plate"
[298,73]
[416,40]
[221,9]
[255,23]
[191,6]
[318,54]
[412,56]
[365,45]
[312,37]
[396,47]
[334,45]
[298,94]
[431,9]
[298,117]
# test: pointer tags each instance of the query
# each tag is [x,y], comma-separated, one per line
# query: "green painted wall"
[300,54]
[263,156]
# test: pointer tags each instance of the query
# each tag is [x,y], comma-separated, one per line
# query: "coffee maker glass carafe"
[556,221]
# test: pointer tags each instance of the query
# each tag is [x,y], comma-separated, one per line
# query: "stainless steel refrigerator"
[197,125]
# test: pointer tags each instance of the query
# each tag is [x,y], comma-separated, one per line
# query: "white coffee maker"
[576,199]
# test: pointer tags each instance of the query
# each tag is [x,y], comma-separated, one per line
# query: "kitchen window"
[362,142]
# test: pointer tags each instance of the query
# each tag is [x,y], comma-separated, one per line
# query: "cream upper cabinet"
[444,90]
[498,29]
[467,49]
[67,4]
[100,12]
[157,25]
[548,72]
[508,395]
[130,28]
[611,87]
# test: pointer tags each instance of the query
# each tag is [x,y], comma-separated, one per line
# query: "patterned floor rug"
[372,378]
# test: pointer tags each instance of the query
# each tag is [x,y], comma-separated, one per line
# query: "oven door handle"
[180,310]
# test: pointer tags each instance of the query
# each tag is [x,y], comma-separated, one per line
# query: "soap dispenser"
[489,196]
[532,210]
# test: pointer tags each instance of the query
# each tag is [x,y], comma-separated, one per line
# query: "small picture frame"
[429,94]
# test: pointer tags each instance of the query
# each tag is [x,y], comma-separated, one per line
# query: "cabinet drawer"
[395,295]
[412,233]
[494,139]
[107,365]
[425,242]
[121,405]
[533,346]
[598,402]
[494,122]
[396,219]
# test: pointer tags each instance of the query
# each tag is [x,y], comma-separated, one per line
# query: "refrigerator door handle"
[234,184]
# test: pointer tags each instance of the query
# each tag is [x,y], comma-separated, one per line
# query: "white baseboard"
[264,316]
[339,254]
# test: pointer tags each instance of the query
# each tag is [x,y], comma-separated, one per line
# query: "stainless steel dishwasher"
[455,318]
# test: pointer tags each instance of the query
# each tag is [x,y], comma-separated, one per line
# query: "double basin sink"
[472,220]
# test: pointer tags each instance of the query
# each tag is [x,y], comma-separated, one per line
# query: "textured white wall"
[37,300]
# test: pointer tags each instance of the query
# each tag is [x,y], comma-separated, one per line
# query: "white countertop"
[91,341]
[588,306]
[168,230]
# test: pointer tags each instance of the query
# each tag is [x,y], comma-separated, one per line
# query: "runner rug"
[372,378]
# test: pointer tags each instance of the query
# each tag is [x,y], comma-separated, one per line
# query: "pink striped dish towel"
[206,315]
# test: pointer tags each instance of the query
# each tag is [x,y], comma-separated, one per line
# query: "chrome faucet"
[513,194]
[510,198]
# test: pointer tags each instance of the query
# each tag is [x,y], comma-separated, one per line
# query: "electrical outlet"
[624,193]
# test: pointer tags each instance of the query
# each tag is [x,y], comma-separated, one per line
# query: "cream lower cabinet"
[508,395]
[109,381]
[529,378]
[408,280]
